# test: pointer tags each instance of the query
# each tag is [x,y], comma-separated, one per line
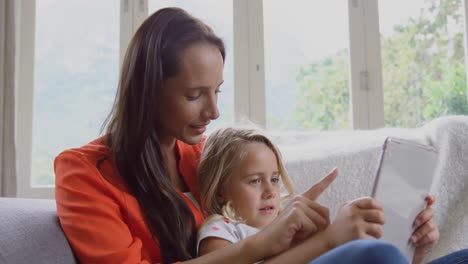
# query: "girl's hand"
[358,219]
[426,232]
[301,218]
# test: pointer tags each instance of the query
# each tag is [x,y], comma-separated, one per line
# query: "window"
[75,77]
[306,65]
[423,59]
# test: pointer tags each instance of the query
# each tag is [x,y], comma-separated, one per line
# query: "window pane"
[219,16]
[423,60]
[76,71]
[306,64]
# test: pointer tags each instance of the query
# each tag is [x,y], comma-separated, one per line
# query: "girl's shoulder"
[223,227]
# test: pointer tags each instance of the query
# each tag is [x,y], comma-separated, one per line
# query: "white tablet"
[404,178]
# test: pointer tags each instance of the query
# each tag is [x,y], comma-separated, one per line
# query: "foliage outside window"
[423,73]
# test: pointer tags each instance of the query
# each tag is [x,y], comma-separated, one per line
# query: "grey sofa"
[30,233]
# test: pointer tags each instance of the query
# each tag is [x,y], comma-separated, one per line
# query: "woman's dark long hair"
[153,55]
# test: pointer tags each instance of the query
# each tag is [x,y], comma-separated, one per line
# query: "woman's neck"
[171,161]
[167,144]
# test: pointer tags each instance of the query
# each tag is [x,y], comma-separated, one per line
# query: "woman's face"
[189,99]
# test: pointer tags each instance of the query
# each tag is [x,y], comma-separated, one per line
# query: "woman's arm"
[90,215]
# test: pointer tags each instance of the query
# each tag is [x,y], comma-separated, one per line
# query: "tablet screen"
[403,180]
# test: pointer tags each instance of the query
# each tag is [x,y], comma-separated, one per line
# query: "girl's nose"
[268,192]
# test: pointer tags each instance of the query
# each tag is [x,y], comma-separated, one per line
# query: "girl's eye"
[254,181]
[275,180]
[218,91]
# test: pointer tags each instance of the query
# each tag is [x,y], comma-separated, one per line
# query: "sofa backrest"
[30,232]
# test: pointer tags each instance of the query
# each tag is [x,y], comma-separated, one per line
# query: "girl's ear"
[222,195]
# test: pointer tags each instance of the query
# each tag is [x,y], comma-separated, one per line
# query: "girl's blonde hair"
[224,150]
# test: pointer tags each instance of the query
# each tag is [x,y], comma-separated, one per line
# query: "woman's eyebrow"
[204,87]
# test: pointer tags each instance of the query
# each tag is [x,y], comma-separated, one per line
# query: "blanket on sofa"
[309,156]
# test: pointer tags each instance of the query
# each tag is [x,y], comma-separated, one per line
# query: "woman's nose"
[211,108]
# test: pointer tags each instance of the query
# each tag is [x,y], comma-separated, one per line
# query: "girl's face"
[254,186]
[189,99]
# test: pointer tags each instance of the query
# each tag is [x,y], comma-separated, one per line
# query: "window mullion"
[465,14]
[256,67]
[126,26]
[366,70]
[241,60]
[140,13]
[25,99]
[374,65]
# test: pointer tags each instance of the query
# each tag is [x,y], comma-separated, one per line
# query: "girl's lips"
[267,210]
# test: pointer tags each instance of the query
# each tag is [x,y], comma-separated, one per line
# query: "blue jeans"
[376,251]
[362,252]
[457,257]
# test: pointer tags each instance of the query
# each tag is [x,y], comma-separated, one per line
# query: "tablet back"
[404,178]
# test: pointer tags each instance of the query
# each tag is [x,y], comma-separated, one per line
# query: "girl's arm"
[358,219]
[296,221]
[244,251]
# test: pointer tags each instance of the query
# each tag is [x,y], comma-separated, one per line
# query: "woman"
[131,196]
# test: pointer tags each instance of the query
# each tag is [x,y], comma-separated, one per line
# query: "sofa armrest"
[30,232]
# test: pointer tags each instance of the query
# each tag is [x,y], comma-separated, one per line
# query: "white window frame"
[366,89]
[249,70]
[24,105]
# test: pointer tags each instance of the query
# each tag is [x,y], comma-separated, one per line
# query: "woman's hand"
[426,232]
[361,218]
[301,218]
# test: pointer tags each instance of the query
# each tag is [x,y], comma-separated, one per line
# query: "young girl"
[240,175]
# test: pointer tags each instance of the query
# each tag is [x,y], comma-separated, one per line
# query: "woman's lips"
[199,129]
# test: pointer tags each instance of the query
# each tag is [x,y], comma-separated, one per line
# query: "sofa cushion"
[30,232]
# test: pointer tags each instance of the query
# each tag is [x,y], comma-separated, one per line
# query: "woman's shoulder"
[88,169]
[89,163]
[94,150]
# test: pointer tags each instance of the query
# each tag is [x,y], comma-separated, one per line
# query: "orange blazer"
[102,221]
